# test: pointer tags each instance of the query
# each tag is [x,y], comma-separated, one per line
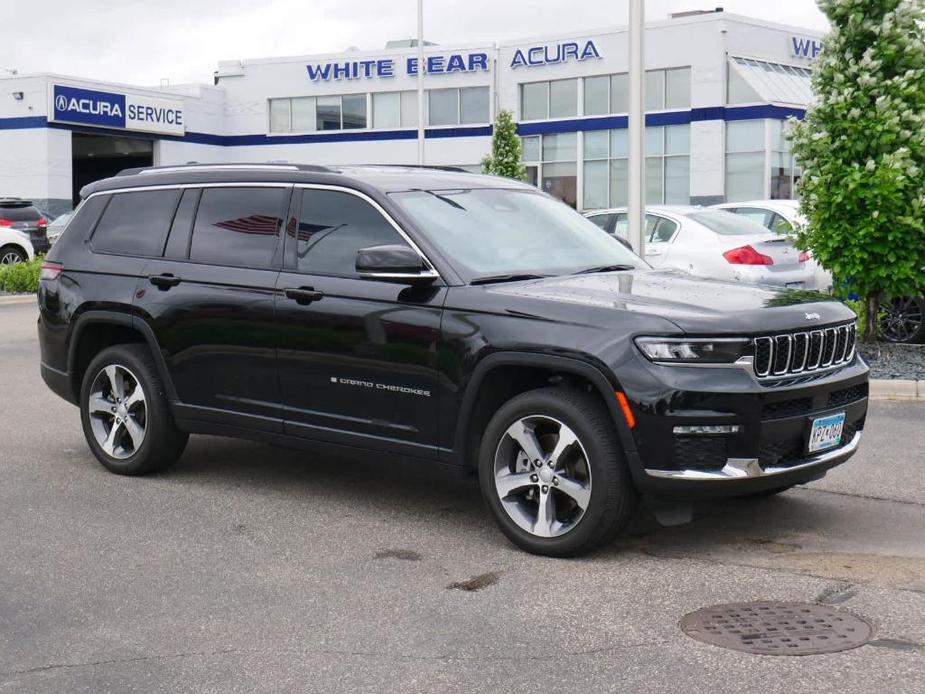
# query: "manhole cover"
[777,628]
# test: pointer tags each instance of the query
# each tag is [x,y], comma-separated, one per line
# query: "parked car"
[440,316]
[21,215]
[781,217]
[903,318]
[15,246]
[714,244]
[56,227]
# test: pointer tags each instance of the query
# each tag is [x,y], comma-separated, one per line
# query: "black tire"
[612,495]
[10,255]
[162,443]
[903,320]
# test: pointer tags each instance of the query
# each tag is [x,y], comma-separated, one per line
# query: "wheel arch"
[536,370]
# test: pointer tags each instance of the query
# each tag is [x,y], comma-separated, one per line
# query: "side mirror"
[397,263]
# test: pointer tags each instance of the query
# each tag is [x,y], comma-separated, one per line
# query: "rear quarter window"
[79,227]
[20,213]
[136,223]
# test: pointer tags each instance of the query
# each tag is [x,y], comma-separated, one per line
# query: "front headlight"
[697,350]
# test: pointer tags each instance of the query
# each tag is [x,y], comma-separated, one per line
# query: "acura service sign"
[114,110]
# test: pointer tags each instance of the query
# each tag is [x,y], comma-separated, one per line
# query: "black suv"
[443,316]
[23,216]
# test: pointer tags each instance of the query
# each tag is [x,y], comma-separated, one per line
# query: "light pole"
[636,203]
[420,82]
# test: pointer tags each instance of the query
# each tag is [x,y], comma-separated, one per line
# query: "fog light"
[707,430]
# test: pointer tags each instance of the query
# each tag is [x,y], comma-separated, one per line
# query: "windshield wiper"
[604,268]
[441,198]
[514,277]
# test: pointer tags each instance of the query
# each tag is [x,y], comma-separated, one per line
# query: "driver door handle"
[303,295]
[164,281]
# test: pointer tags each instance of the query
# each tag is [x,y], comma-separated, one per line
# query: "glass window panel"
[473,105]
[328,112]
[531,148]
[745,136]
[655,175]
[303,114]
[597,95]
[534,100]
[533,175]
[738,90]
[354,106]
[596,144]
[333,227]
[781,175]
[619,143]
[745,176]
[561,147]
[619,93]
[778,136]
[677,180]
[655,90]
[279,115]
[601,220]
[136,223]
[595,185]
[443,106]
[678,88]
[563,98]
[409,109]
[677,139]
[619,183]
[655,140]
[622,226]
[387,110]
[237,226]
[561,181]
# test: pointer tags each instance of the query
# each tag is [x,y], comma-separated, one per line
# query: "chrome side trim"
[749,468]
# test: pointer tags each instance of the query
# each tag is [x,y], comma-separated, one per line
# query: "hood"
[694,304]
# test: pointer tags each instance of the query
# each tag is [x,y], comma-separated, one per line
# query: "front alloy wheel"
[903,320]
[542,476]
[118,412]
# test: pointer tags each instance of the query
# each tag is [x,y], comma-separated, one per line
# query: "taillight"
[42,222]
[6,222]
[746,255]
[50,271]
[805,255]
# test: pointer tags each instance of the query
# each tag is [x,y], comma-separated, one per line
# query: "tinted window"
[601,220]
[237,226]
[727,224]
[19,213]
[664,230]
[762,217]
[178,241]
[83,221]
[333,226]
[136,223]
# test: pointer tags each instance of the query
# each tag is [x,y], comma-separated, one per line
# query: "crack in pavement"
[861,496]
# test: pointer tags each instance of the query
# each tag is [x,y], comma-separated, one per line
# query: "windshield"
[728,223]
[491,231]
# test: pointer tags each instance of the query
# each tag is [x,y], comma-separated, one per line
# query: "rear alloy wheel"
[125,415]
[552,472]
[10,255]
[903,320]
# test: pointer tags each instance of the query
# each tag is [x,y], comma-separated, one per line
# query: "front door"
[357,357]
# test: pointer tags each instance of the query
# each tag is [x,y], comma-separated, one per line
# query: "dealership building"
[718,90]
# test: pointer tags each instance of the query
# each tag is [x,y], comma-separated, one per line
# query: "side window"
[781,225]
[136,223]
[333,226]
[237,226]
[601,220]
[82,223]
[651,225]
[664,231]
[762,217]
[177,247]
[622,227]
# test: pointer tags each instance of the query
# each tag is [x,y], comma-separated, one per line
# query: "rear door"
[660,233]
[357,357]
[210,301]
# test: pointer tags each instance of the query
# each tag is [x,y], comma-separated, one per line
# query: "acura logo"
[812,316]
[61,102]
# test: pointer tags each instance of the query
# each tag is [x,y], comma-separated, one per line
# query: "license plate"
[826,432]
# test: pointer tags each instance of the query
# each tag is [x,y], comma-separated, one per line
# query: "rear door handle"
[165,281]
[303,295]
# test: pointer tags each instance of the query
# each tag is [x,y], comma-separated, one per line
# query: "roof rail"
[224,167]
[433,167]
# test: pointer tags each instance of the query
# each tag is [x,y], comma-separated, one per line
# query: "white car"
[715,244]
[15,246]
[781,217]
[56,227]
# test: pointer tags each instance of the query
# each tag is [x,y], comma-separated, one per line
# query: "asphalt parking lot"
[254,569]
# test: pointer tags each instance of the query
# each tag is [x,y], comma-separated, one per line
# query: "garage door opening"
[99,156]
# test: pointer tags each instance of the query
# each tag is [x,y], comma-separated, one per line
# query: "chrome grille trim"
[803,352]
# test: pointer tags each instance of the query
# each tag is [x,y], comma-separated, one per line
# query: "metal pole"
[637,162]
[421,82]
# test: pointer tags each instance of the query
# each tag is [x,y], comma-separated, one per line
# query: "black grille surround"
[804,352]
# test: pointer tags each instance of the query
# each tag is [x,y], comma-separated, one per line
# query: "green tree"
[862,149]
[506,150]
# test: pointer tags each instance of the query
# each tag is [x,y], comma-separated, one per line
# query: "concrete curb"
[17,299]
[896,389]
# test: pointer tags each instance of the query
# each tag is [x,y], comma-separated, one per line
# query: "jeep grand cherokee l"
[442,316]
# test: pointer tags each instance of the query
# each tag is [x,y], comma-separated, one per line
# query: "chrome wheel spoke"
[109,444]
[116,381]
[511,482]
[98,403]
[576,490]
[525,437]
[118,420]
[545,515]
[135,431]
[137,395]
[567,439]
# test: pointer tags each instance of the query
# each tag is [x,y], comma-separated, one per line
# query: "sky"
[146,41]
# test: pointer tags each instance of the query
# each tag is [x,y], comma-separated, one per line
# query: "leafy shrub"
[21,278]
[506,150]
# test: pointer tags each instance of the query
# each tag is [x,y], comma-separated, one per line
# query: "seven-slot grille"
[800,352]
